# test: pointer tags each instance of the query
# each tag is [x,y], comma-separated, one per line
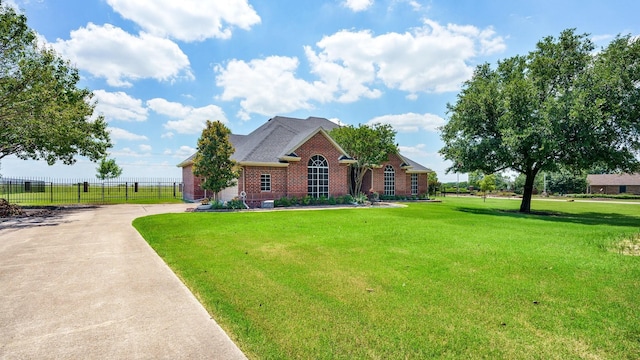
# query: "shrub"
[306,200]
[282,202]
[605,196]
[331,200]
[361,199]
[217,205]
[348,199]
[235,204]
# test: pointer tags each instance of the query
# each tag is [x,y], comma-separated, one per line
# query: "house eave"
[418,171]
[263,164]
[290,158]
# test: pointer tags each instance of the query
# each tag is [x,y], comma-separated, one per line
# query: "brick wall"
[285,181]
[191,190]
[317,145]
[614,189]
[250,183]
[403,180]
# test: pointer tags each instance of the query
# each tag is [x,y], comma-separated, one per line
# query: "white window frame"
[318,176]
[389,180]
[414,184]
[265,182]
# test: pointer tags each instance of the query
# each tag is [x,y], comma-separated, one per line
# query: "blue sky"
[159,69]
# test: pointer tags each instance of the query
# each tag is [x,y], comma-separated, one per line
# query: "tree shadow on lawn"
[588,218]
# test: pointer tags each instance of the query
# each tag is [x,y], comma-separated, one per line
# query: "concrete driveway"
[85,285]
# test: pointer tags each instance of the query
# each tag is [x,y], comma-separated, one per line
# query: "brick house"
[297,157]
[614,184]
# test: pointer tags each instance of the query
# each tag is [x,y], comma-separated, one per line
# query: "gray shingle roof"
[274,139]
[280,136]
[415,167]
[613,179]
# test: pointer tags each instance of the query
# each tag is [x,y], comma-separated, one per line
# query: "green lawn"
[457,279]
[96,193]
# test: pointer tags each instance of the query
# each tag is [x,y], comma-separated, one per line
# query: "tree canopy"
[561,106]
[43,114]
[368,145]
[108,169]
[213,161]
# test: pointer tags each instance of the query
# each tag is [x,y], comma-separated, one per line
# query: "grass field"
[49,193]
[458,279]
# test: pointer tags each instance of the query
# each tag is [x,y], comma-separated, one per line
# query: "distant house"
[614,184]
[297,157]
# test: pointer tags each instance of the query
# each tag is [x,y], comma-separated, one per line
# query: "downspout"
[244,182]
[244,189]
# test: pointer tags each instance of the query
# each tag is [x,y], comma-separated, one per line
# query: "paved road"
[85,285]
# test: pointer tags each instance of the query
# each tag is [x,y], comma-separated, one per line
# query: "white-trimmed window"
[318,177]
[414,184]
[265,182]
[389,180]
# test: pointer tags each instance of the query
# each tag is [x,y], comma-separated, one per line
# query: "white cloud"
[190,120]
[357,5]
[109,52]
[268,86]
[119,106]
[410,122]
[433,58]
[413,152]
[128,152]
[184,151]
[167,135]
[188,20]
[351,65]
[337,121]
[145,148]
[121,134]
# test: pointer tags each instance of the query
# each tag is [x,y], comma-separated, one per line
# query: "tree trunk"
[525,206]
[356,178]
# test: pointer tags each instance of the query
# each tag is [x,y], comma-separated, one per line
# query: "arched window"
[389,180]
[318,177]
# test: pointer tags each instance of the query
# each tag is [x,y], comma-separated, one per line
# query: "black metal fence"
[46,191]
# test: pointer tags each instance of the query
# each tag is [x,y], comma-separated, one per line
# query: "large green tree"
[213,161]
[369,145]
[561,106]
[43,114]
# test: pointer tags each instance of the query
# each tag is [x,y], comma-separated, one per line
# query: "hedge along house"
[614,184]
[289,157]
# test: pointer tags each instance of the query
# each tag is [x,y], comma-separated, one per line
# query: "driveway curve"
[85,284]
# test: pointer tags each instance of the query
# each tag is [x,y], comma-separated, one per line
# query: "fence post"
[9,192]
[103,191]
[174,190]
[159,191]
[51,191]
[126,191]
[79,193]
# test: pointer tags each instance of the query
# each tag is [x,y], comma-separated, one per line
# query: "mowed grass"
[96,194]
[458,279]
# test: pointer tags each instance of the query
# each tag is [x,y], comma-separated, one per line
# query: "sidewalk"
[86,285]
